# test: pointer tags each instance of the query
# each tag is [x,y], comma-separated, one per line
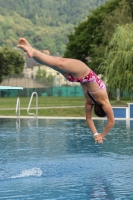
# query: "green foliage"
[45,24]
[120,16]
[11,62]
[119,59]
[50,79]
[42,76]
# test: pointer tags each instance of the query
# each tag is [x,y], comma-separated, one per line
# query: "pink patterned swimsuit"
[91,77]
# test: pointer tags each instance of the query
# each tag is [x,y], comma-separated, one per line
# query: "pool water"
[56,159]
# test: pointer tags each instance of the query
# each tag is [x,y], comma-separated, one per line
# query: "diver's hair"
[98,110]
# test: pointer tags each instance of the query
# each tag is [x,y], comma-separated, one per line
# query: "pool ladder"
[18,106]
[36,115]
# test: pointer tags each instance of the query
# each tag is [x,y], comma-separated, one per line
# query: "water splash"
[34,172]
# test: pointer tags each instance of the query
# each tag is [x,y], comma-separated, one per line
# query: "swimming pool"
[57,159]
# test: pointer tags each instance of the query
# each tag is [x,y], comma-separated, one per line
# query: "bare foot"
[23,44]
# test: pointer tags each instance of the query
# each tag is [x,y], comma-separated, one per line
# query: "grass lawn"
[8,106]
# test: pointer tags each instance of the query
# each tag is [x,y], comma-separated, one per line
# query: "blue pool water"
[58,160]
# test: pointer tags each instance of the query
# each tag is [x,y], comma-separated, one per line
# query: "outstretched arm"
[88,111]
[110,119]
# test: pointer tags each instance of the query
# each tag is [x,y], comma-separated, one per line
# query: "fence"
[42,87]
[53,91]
[59,86]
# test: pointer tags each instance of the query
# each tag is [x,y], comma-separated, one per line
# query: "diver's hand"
[99,139]
[24,44]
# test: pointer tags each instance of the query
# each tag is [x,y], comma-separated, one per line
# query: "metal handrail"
[34,93]
[18,112]
[18,107]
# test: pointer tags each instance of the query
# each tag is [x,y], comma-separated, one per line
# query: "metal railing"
[18,112]
[36,115]
[18,108]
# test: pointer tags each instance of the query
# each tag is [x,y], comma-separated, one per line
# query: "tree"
[118,63]
[90,38]
[11,62]
[120,16]
[42,76]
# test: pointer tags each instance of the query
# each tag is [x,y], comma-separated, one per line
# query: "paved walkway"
[44,107]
